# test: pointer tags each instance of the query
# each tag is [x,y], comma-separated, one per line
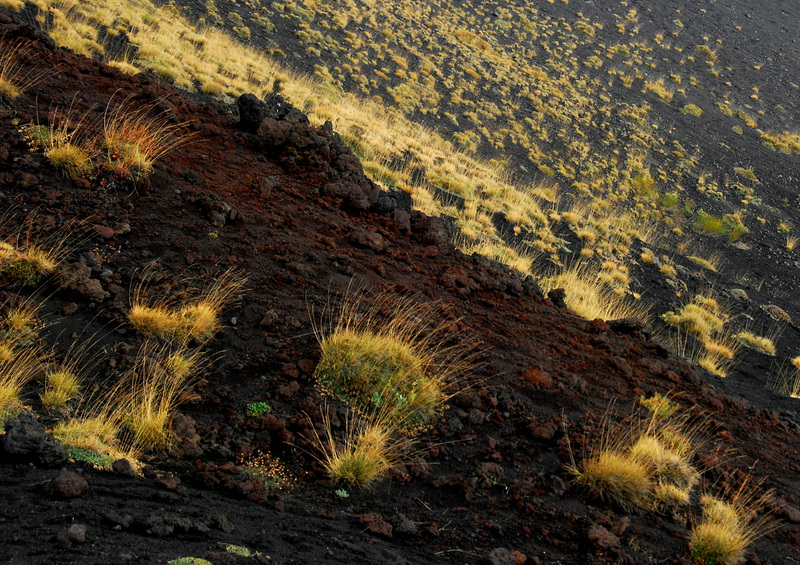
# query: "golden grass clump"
[63,143]
[729,527]
[389,358]
[60,387]
[643,465]
[26,260]
[15,79]
[367,451]
[761,344]
[152,390]
[197,319]
[134,140]
[14,375]
[618,478]
[701,318]
[589,298]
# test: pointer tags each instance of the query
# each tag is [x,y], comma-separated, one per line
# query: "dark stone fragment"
[123,467]
[67,485]
[26,440]
[557,296]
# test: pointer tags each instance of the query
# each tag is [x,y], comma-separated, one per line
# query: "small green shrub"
[96,460]
[258,409]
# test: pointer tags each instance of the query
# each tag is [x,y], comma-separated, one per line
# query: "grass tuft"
[134,140]
[393,363]
[151,391]
[760,343]
[14,78]
[729,527]
[367,451]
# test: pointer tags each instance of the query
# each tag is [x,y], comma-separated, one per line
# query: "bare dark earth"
[290,208]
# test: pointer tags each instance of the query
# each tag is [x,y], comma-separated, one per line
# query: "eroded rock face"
[287,136]
[26,440]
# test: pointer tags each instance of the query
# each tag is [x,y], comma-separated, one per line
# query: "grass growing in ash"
[645,465]
[196,319]
[389,361]
[730,524]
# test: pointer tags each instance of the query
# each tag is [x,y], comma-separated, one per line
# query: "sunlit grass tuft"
[15,79]
[729,526]
[151,391]
[14,375]
[589,298]
[366,451]
[390,358]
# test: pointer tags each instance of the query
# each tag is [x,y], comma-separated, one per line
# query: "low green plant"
[341,493]
[258,409]
[189,561]
[240,550]
[100,461]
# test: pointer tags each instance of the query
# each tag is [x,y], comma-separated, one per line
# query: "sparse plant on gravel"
[258,409]
[240,550]
[133,140]
[100,461]
[189,561]
[15,79]
[268,470]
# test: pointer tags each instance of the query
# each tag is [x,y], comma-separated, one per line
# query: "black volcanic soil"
[488,484]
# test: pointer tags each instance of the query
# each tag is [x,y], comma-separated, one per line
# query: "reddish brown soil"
[489,478]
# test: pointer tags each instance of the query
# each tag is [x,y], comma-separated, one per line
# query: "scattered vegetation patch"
[15,76]
[692,109]
[195,319]
[267,470]
[643,468]
[134,141]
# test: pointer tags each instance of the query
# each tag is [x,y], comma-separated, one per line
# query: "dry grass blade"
[730,524]
[366,451]
[197,319]
[14,375]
